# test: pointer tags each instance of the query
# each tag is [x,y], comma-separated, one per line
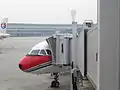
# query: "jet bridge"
[52,43]
[70,50]
[61,48]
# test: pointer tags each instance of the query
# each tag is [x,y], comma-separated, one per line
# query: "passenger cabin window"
[42,52]
[34,52]
[48,52]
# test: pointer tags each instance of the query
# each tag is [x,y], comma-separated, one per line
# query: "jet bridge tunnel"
[61,49]
[85,51]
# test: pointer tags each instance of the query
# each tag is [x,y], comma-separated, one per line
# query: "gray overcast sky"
[48,11]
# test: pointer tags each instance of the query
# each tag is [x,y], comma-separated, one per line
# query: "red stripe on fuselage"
[31,61]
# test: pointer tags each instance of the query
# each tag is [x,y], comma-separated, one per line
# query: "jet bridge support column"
[109,45]
[73,68]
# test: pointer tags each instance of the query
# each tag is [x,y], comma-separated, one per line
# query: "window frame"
[29,53]
[49,50]
[44,51]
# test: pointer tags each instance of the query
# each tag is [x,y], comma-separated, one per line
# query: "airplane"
[3,29]
[39,61]
[3,36]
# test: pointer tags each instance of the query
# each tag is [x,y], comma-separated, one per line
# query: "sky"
[48,11]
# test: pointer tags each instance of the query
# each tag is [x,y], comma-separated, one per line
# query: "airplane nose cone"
[32,62]
[20,66]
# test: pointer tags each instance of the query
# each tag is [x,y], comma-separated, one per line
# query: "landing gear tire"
[55,84]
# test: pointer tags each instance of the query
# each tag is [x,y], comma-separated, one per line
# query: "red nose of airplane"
[31,63]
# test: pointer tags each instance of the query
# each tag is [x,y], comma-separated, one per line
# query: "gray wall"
[92,50]
[80,52]
[109,31]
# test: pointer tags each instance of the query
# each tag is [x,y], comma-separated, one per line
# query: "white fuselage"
[39,60]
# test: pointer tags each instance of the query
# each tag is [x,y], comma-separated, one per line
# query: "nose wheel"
[55,83]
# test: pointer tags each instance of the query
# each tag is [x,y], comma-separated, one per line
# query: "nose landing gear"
[55,83]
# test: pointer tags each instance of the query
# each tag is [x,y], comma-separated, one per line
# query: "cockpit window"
[34,52]
[48,52]
[42,52]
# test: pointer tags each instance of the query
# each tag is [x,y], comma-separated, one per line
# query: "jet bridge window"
[62,48]
[42,52]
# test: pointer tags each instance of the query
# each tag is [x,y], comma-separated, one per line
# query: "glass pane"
[34,52]
[62,48]
[48,52]
[42,52]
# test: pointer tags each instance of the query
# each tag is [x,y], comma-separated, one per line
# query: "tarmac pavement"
[12,50]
